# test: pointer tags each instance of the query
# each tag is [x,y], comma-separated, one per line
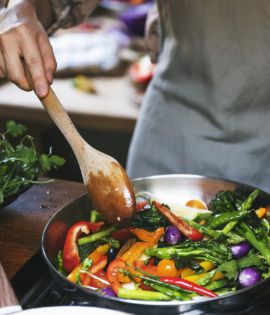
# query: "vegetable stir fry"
[172,252]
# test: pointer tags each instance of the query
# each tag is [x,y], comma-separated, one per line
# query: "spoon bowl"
[105,179]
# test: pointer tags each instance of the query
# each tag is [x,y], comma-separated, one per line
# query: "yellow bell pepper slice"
[207,265]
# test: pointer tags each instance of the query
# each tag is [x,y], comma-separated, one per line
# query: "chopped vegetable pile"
[176,252]
[20,164]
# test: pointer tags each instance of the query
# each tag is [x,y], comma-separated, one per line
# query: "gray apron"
[207,111]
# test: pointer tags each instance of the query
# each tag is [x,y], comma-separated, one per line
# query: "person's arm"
[44,10]
[24,41]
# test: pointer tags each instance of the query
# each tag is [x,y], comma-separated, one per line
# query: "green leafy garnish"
[149,219]
[230,269]
[20,164]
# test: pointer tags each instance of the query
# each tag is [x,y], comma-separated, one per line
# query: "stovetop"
[35,287]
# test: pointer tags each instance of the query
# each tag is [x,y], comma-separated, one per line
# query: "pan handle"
[8,300]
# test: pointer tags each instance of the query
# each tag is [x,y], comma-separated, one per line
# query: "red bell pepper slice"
[96,226]
[71,256]
[140,205]
[112,272]
[122,235]
[186,229]
[188,285]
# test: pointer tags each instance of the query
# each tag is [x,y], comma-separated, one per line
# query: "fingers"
[25,51]
[2,66]
[34,64]
[11,65]
[47,56]
[33,47]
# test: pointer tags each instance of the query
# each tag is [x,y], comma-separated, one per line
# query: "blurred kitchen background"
[103,71]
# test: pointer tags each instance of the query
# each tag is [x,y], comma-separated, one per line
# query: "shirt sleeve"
[70,12]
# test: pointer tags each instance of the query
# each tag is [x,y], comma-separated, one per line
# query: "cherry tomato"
[195,203]
[166,268]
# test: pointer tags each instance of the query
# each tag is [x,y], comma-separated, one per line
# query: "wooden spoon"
[107,182]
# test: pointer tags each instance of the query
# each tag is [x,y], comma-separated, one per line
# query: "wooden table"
[22,223]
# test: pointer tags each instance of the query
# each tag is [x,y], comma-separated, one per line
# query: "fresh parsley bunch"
[20,164]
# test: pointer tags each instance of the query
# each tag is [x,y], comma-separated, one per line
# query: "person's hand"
[24,43]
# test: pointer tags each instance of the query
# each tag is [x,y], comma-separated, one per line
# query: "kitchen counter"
[112,108]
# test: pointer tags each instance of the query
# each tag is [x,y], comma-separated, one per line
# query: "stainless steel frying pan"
[180,188]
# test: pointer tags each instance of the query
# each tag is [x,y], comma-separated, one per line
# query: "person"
[206,110]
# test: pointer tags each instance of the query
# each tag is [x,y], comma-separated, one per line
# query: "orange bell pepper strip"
[126,247]
[94,256]
[147,236]
[131,255]
[135,251]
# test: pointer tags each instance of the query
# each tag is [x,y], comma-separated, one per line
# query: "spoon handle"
[60,117]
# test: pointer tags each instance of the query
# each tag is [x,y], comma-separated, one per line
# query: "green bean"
[223,218]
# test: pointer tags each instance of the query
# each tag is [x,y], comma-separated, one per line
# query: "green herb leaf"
[230,269]
[15,129]
[87,263]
